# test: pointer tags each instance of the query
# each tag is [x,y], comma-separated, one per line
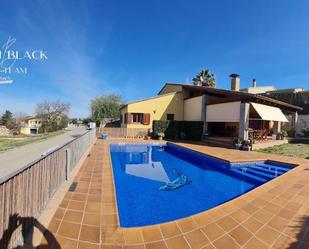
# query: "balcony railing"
[33,126]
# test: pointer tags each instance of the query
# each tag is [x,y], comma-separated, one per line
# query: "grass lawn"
[295,149]
[7,143]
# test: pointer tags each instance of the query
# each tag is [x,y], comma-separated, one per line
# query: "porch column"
[294,120]
[277,127]
[204,111]
[244,121]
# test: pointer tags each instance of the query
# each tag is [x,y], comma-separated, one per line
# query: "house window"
[170,116]
[137,117]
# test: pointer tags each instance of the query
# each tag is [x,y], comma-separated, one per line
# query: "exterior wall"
[171,89]
[35,122]
[302,122]
[25,130]
[157,107]
[258,89]
[225,112]
[193,109]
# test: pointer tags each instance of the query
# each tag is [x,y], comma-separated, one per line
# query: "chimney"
[254,83]
[235,82]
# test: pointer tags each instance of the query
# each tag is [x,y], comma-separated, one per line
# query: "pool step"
[257,173]
[250,176]
[260,172]
[281,168]
[271,170]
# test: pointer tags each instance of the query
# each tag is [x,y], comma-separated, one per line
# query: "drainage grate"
[73,187]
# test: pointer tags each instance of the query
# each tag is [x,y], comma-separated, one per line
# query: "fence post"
[68,163]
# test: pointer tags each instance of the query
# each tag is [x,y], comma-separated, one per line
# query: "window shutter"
[146,118]
[129,118]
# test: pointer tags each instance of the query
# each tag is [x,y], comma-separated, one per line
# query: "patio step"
[219,142]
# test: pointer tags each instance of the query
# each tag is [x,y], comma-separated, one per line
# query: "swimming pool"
[142,171]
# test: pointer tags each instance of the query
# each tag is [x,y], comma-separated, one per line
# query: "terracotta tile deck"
[274,215]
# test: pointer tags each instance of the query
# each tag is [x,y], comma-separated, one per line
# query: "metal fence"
[25,193]
[124,132]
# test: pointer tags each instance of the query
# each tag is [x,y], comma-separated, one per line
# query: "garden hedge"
[190,130]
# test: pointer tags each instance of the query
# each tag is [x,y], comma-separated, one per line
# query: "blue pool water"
[140,170]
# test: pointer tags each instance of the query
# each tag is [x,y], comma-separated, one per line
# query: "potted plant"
[284,135]
[161,135]
[246,145]
[182,135]
[237,143]
[291,133]
[148,136]
[279,136]
[306,132]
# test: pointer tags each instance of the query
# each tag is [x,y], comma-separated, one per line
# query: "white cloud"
[70,70]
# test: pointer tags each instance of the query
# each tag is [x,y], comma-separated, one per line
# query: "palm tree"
[205,78]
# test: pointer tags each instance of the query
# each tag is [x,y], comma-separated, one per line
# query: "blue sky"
[133,47]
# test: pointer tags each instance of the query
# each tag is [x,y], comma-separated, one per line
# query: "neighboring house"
[223,112]
[295,96]
[31,125]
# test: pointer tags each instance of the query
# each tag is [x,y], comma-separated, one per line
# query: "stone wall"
[4,131]
[302,122]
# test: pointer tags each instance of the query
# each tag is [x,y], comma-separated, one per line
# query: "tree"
[53,114]
[205,78]
[74,121]
[20,116]
[8,120]
[105,107]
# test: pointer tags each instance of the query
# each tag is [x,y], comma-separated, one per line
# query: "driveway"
[16,158]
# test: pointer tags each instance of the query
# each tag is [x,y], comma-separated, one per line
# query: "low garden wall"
[26,192]
[115,132]
[4,131]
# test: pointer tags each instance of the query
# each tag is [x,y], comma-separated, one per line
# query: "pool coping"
[255,205]
[293,166]
[236,162]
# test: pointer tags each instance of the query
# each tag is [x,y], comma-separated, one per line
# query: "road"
[16,158]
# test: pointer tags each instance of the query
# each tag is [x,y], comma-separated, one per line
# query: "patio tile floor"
[274,215]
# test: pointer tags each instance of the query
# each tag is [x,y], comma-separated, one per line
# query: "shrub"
[284,133]
[306,132]
[237,140]
[191,130]
[246,142]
